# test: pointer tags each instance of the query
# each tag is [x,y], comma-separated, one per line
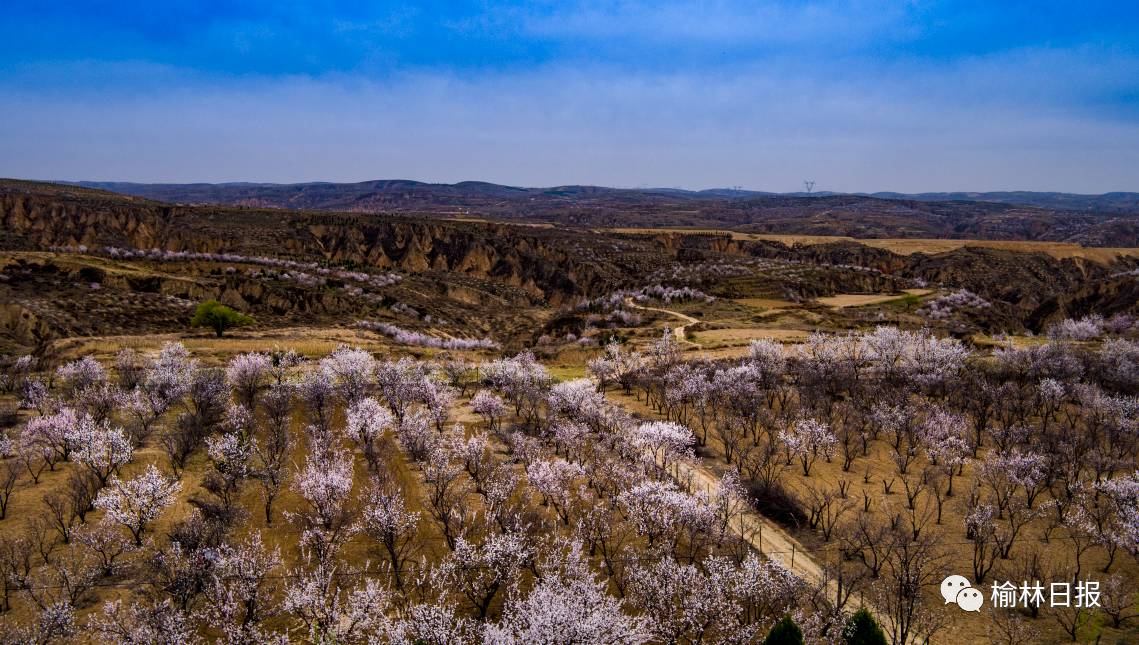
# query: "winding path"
[678,331]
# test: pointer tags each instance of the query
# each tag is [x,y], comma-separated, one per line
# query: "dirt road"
[678,330]
[769,539]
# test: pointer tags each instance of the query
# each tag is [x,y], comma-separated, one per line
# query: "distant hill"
[1111,219]
[1117,202]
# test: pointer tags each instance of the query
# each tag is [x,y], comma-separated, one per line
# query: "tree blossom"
[135,503]
[100,400]
[79,375]
[55,621]
[557,481]
[351,370]
[438,399]
[767,356]
[417,437]
[570,437]
[103,450]
[387,521]
[166,381]
[432,623]
[578,400]
[479,571]
[241,591]
[916,356]
[247,375]
[475,453]
[34,395]
[367,421]
[616,366]
[406,337]
[1122,493]
[569,604]
[325,483]
[808,439]
[488,405]
[400,384]
[720,602]
[316,390]
[1120,362]
[332,610]
[658,509]
[1004,473]
[138,622]
[664,441]
[107,543]
[55,432]
[523,380]
[230,454]
[946,437]
[1086,328]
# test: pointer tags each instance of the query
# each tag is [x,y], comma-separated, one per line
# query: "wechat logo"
[956,589]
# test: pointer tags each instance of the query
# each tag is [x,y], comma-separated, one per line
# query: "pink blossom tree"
[325,483]
[663,442]
[490,406]
[102,449]
[241,591]
[140,621]
[479,571]
[559,483]
[569,604]
[331,606]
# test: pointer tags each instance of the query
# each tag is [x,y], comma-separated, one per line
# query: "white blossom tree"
[808,439]
[248,374]
[366,422]
[387,520]
[102,449]
[137,502]
[569,604]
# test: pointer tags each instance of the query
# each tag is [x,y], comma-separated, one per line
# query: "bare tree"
[9,475]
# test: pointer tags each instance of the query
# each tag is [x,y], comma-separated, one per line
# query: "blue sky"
[860,96]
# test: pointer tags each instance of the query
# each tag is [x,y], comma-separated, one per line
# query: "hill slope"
[1104,220]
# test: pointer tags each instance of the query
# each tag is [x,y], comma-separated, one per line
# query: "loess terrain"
[447,425]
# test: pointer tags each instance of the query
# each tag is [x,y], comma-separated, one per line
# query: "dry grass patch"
[843,300]
[770,305]
[744,336]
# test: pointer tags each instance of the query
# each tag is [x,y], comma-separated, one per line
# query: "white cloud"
[1008,121]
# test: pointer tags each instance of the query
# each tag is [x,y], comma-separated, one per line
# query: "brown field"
[844,300]
[306,341]
[909,246]
[770,305]
[744,336]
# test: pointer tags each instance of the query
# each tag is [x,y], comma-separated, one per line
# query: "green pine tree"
[862,629]
[785,632]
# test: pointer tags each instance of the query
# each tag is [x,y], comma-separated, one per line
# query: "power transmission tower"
[809,184]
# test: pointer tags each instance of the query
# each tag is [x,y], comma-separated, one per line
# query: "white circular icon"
[970,599]
[953,585]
